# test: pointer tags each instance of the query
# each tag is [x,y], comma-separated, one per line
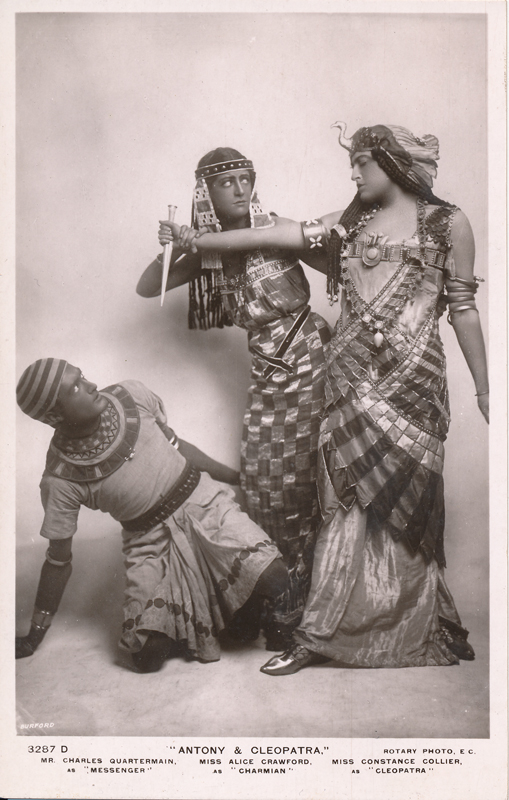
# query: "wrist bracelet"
[56,563]
[480,394]
[41,619]
[315,234]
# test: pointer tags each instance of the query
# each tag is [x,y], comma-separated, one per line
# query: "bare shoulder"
[461,227]
[463,245]
[460,219]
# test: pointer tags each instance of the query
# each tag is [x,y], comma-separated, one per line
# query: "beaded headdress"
[205,303]
[37,389]
[407,159]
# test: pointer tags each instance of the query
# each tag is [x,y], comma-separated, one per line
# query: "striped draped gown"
[378,596]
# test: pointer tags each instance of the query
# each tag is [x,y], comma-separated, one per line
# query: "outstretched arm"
[55,573]
[220,472]
[316,257]
[464,316]
[285,234]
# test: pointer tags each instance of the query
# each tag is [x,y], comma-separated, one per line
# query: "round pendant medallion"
[371,256]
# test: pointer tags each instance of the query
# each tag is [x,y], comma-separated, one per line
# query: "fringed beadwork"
[334,266]
[206,308]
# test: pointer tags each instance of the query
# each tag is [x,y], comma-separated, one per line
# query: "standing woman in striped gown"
[265,292]
[378,596]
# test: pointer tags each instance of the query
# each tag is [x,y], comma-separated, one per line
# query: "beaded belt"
[396,252]
[276,361]
[185,485]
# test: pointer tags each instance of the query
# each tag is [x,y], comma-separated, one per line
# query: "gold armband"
[316,235]
[461,296]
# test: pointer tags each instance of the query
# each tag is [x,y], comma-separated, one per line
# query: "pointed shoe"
[295,659]
[458,645]
[455,637]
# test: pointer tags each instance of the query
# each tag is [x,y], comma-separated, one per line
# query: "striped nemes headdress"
[37,390]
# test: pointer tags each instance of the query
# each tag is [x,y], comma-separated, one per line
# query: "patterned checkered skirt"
[279,448]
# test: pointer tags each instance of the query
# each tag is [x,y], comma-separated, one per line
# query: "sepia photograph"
[254,312]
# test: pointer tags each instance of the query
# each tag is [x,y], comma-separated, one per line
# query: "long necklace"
[380,321]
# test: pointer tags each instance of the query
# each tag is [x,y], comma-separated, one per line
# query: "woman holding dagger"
[265,292]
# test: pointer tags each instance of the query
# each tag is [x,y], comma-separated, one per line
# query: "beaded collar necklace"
[380,321]
[88,447]
[104,451]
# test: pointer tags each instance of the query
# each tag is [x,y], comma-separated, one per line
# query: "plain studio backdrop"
[114,112]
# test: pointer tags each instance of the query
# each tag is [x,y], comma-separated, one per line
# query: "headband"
[223,166]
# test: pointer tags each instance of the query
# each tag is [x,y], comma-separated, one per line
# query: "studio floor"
[79,680]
